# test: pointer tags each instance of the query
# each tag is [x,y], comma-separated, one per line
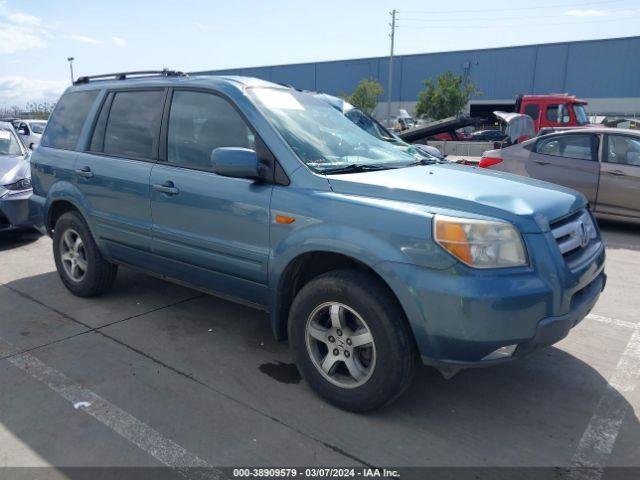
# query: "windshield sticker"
[278,99]
[5,135]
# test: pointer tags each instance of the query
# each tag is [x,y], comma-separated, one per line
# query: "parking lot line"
[612,321]
[163,449]
[599,438]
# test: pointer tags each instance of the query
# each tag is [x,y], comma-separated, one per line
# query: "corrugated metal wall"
[590,69]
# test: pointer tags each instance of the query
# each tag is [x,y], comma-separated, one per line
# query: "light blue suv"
[366,259]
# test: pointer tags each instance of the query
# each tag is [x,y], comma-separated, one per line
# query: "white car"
[30,131]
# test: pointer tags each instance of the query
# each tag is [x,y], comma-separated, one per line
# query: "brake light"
[489,161]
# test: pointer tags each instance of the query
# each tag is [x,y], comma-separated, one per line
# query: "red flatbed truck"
[555,110]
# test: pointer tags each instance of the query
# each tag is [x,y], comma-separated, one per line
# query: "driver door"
[209,230]
[620,177]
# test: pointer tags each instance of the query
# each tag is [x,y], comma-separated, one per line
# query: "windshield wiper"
[356,168]
[424,161]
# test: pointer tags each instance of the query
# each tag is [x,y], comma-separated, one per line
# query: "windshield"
[581,114]
[323,138]
[38,127]
[9,144]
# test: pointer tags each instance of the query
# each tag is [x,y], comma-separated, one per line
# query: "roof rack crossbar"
[125,75]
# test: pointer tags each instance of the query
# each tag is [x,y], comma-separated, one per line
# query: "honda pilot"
[368,260]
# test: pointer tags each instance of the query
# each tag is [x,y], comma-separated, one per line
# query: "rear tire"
[351,341]
[81,266]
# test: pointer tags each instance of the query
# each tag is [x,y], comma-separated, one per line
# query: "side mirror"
[236,162]
[23,131]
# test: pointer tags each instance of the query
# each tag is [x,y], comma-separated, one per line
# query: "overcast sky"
[36,36]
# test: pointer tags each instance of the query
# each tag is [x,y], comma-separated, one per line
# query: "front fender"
[321,238]
[364,229]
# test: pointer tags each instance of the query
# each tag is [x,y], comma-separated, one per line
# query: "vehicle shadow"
[15,238]
[531,412]
[620,235]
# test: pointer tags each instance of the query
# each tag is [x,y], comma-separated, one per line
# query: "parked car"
[15,179]
[367,260]
[375,128]
[430,150]
[30,131]
[487,136]
[602,163]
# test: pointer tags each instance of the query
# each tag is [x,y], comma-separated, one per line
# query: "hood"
[13,169]
[529,204]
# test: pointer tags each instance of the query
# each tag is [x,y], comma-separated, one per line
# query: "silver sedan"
[602,163]
[15,179]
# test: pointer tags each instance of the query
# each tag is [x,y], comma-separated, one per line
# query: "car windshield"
[323,138]
[38,127]
[581,114]
[9,144]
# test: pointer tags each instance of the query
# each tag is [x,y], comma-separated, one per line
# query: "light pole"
[390,80]
[70,60]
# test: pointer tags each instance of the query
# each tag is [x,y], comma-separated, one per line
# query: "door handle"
[540,162]
[167,187]
[617,173]
[85,172]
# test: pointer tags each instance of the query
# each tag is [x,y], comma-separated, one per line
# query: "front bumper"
[460,315]
[14,209]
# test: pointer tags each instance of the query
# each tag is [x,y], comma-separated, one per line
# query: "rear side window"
[532,110]
[571,146]
[133,125]
[67,120]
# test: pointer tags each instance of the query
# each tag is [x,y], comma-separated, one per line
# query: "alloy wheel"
[340,344]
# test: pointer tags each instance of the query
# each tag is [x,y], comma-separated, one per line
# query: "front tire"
[81,266]
[351,340]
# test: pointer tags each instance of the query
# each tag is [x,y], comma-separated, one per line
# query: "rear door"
[113,174]
[570,160]
[619,192]
[209,230]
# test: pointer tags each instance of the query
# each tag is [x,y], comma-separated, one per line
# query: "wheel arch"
[303,268]
[64,197]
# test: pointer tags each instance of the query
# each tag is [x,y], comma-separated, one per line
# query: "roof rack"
[125,75]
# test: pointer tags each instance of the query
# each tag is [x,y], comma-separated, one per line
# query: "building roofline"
[360,59]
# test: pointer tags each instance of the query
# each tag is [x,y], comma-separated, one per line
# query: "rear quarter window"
[67,120]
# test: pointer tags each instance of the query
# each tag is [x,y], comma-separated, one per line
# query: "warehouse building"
[605,73]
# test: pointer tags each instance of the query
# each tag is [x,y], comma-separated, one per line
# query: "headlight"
[22,184]
[480,243]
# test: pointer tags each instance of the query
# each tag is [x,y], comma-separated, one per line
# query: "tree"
[31,110]
[444,98]
[42,110]
[365,96]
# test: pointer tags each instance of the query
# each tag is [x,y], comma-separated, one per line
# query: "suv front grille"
[574,233]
